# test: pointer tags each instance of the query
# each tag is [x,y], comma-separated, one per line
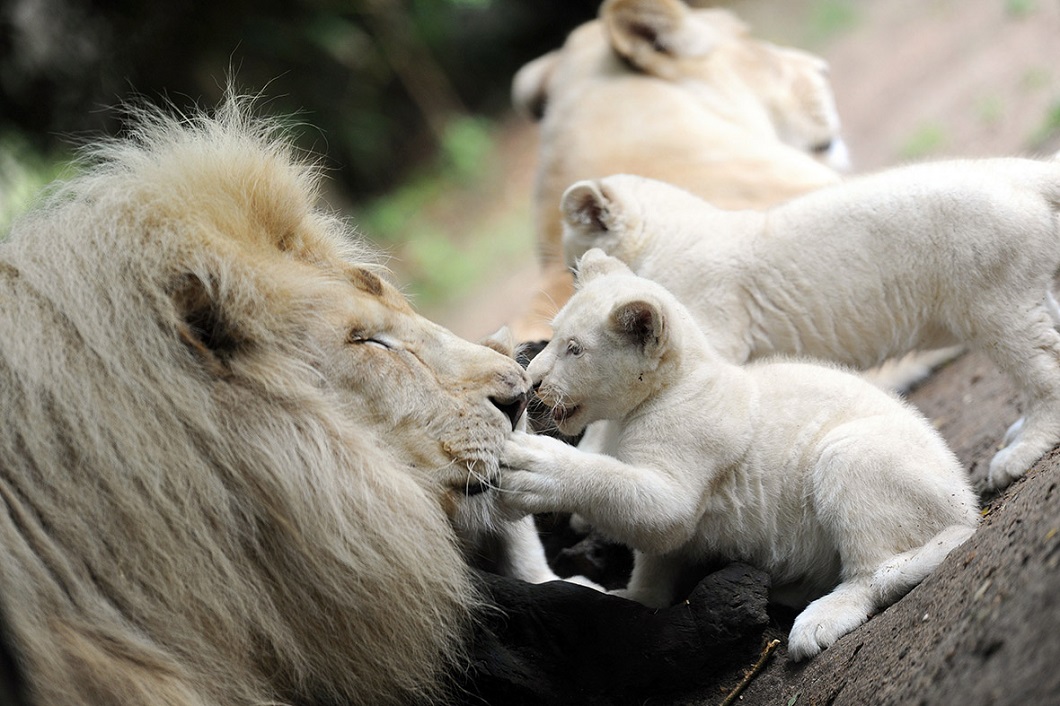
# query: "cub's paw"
[1010,463]
[819,626]
[527,492]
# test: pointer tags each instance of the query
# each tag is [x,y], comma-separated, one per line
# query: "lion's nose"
[512,407]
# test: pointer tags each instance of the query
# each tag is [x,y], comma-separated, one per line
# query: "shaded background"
[407,102]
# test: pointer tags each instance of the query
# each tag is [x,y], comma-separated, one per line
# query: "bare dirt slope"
[920,79]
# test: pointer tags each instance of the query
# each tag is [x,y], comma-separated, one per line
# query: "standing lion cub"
[812,474]
[922,256]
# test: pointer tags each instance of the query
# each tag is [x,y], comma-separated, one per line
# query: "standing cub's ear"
[530,86]
[596,263]
[502,340]
[641,323]
[588,215]
[651,34]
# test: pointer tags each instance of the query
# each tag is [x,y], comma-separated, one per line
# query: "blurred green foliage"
[380,81]
[926,139]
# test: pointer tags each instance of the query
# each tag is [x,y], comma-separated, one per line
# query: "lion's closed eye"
[377,340]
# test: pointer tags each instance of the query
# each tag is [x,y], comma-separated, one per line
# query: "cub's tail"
[899,575]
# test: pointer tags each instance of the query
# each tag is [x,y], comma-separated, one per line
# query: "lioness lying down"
[922,256]
[810,473]
[684,95]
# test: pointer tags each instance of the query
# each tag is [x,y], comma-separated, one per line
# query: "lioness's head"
[774,91]
[611,346]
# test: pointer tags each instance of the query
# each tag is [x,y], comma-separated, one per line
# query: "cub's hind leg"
[851,603]
[830,617]
[894,501]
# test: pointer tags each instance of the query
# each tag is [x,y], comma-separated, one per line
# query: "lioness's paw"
[819,626]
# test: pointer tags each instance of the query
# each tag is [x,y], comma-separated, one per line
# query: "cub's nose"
[512,407]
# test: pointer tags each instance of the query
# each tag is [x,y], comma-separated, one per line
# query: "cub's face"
[609,347]
[444,404]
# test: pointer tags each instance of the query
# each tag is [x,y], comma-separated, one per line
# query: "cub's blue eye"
[574,348]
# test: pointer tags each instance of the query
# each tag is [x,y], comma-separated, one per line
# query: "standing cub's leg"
[1023,342]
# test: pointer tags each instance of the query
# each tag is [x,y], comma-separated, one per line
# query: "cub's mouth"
[561,413]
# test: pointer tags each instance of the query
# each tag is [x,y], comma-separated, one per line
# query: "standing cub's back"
[922,256]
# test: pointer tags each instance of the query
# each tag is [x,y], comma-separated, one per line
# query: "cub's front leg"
[649,509]
[542,474]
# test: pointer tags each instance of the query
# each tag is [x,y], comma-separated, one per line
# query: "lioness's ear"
[641,323]
[204,326]
[530,86]
[596,263]
[650,33]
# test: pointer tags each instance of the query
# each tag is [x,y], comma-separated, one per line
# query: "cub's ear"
[502,340]
[587,208]
[204,326]
[641,323]
[588,215]
[596,263]
[650,34]
[530,86]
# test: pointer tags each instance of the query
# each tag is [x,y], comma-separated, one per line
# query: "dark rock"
[560,643]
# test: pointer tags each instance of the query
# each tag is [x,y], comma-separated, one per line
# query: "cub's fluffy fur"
[922,256]
[223,460]
[684,95]
[812,474]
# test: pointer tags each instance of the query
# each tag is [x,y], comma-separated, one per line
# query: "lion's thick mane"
[186,514]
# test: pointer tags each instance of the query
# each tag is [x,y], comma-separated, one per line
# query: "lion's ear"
[649,34]
[204,325]
[596,263]
[530,86]
[641,323]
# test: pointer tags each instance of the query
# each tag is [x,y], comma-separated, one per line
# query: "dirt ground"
[919,79]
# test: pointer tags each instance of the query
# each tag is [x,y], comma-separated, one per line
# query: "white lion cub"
[810,473]
[921,256]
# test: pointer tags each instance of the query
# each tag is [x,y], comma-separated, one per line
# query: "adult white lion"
[685,96]
[227,446]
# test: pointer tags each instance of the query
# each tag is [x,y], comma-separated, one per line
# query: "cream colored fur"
[228,447]
[686,96]
[843,493]
[915,257]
